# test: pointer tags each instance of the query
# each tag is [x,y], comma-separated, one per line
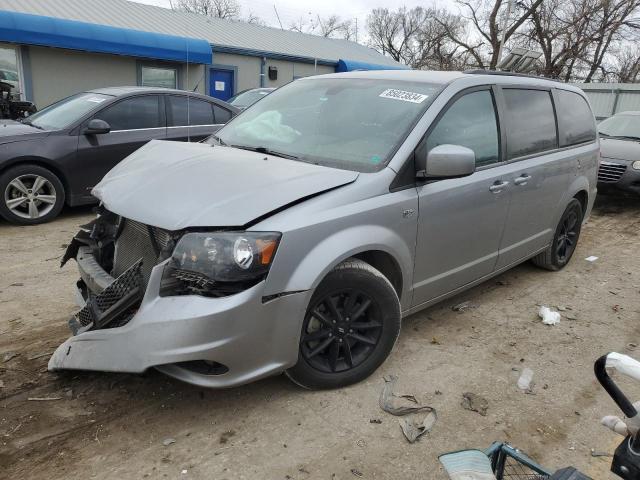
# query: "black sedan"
[57,155]
[620,151]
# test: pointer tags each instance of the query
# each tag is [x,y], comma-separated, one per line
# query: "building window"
[158,77]
[10,69]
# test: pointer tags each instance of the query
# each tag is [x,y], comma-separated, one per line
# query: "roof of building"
[241,36]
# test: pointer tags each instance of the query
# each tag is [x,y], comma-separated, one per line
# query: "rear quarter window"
[575,119]
[531,122]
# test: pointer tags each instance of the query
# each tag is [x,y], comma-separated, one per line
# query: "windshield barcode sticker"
[404,96]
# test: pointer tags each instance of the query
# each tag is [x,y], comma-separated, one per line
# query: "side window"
[530,122]
[470,122]
[575,119]
[222,114]
[198,111]
[133,113]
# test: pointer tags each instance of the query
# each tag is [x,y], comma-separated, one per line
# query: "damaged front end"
[115,257]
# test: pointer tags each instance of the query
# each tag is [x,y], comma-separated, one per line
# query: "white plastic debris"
[592,258]
[524,382]
[548,316]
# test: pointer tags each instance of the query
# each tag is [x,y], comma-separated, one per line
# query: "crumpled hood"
[619,149]
[174,185]
[12,131]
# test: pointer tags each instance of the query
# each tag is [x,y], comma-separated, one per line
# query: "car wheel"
[564,241]
[30,194]
[349,329]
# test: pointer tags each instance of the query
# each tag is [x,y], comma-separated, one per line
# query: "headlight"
[636,165]
[218,263]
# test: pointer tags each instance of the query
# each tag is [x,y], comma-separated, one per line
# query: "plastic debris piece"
[168,441]
[525,382]
[356,472]
[475,403]
[461,307]
[420,418]
[389,405]
[592,258]
[43,399]
[9,356]
[415,425]
[549,317]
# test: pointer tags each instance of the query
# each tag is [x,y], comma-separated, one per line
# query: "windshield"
[621,126]
[245,99]
[349,123]
[65,112]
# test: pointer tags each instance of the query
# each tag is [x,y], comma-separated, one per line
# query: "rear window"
[189,111]
[531,122]
[575,119]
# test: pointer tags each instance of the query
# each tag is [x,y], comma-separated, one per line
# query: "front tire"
[30,194]
[565,240]
[349,329]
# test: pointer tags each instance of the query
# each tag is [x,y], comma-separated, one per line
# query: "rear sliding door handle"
[522,179]
[498,186]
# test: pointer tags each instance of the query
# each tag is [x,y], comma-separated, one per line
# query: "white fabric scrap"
[548,316]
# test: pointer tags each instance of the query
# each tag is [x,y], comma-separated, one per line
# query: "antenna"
[188,98]
[278,16]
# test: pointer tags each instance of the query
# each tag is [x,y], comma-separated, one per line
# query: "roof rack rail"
[479,71]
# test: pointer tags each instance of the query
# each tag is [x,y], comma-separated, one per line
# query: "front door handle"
[522,179]
[498,186]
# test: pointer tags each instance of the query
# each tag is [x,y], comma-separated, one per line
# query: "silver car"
[298,237]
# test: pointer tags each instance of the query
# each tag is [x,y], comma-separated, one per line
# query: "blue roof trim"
[272,55]
[351,65]
[56,32]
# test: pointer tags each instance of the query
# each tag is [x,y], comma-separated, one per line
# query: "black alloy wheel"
[349,328]
[341,330]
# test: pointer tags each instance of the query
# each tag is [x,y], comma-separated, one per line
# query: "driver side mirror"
[97,127]
[446,161]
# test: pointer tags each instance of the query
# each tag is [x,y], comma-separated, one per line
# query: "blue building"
[50,49]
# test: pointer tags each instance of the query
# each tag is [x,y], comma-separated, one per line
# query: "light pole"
[504,30]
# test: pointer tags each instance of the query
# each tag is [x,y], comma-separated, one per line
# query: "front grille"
[114,301]
[139,241]
[610,172]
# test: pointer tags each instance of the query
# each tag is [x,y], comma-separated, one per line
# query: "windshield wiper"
[27,122]
[266,151]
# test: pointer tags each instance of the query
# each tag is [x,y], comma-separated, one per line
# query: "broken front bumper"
[251,337]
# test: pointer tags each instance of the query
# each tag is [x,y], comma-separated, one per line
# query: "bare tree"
[419,37]
[577,37]
[484,17]
[228,9]
[332,26]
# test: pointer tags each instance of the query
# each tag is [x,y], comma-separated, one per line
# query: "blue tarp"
[351,65]
[55,32]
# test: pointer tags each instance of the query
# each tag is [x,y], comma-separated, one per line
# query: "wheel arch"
[390,254]
[41,162]
[583,197]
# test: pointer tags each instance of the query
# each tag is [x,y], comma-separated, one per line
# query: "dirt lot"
[114,426]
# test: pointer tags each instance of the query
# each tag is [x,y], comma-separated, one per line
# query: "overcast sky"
[291,11]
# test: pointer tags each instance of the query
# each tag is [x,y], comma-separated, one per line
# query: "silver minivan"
[298,237]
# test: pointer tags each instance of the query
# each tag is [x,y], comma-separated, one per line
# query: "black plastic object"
[612,389]
[626,462]
[569,473]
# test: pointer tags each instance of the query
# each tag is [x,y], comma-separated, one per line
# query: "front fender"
[346,243]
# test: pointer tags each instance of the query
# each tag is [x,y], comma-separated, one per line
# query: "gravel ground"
[99,425]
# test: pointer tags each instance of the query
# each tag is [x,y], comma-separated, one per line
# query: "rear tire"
[349,329]
[30,194]
[557,256]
